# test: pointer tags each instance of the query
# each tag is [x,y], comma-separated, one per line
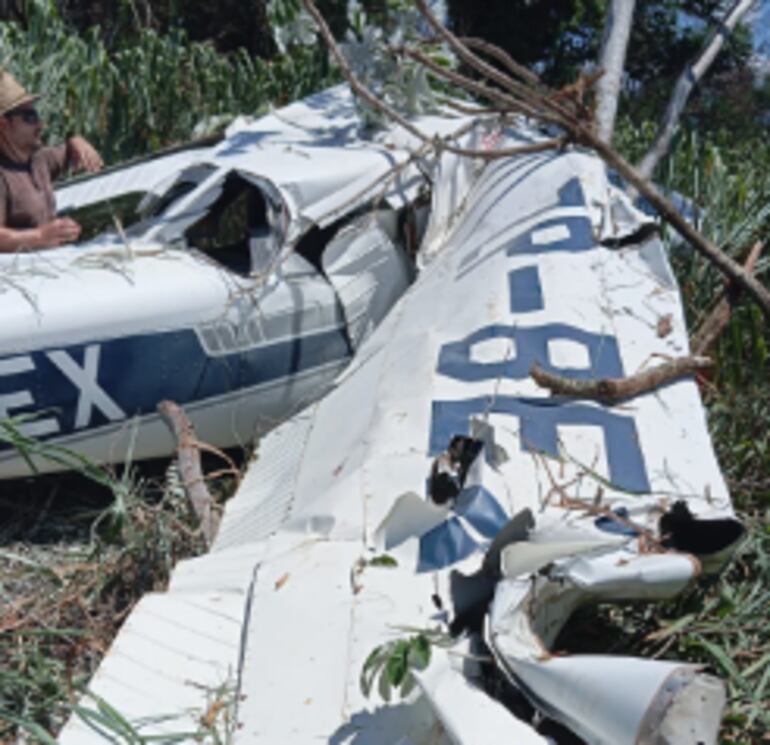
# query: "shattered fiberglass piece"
[541,504]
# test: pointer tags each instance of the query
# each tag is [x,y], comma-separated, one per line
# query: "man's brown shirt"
[26,191]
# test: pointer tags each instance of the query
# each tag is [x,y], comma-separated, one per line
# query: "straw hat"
[12,94]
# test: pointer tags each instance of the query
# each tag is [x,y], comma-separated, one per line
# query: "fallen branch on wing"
[438,143]
[550,109]
[616,389]
[517,91]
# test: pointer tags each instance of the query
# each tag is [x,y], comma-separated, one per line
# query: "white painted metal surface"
[514,274]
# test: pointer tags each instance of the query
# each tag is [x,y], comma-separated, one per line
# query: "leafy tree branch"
[559,108]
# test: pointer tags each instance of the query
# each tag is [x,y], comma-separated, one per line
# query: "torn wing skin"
[534,575]
[550,559]
[602,698]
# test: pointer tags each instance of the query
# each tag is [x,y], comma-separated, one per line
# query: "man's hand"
[59,231]
[83,155]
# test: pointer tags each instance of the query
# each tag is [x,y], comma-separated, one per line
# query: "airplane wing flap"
[307,685]
[183,644]
[294,687]
[259,513]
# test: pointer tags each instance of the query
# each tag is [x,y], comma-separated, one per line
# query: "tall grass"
[151,92]
[731,183]
[722,625]
[69,580]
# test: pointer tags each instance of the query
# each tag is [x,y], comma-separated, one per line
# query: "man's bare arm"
[82,154]
[55,233]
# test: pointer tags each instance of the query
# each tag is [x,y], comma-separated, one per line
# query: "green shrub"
[152,91]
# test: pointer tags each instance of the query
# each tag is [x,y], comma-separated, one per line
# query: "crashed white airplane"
[436,487]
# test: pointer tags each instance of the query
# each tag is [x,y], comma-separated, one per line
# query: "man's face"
[24,128]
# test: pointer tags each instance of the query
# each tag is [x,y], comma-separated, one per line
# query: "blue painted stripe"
[539,420]
[477,505]
[137,372]
[445,545]
[526,292]
[531,346]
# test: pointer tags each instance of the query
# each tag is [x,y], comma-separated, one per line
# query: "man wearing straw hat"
[28,219]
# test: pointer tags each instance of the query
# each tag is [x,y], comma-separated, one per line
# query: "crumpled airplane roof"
[288,605]
[313,151]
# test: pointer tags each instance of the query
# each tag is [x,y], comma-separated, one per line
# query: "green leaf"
[371,667]
[756,666]
[419,652]
[397,666]
[41,735]
[383,561]
[720,656]
[408,685]
[373,657]
[384,687]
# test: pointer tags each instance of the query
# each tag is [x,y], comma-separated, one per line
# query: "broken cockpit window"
[101,217]
[241,227]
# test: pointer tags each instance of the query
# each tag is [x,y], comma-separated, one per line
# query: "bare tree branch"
[353,80]
[551,108]
[495,95]
[438,143]
[189,458]
[472,109]
[612,60]
[502,56]
[690,76]
[615,389]
[709,331]
[673,217]
[583,134]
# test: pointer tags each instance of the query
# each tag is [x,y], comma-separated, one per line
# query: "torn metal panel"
[612,700]
[271,491]
[368,271]
[311,153]
[559,503]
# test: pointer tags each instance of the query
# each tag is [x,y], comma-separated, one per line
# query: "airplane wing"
[333,546]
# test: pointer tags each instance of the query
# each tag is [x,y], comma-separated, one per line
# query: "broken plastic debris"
[712,541]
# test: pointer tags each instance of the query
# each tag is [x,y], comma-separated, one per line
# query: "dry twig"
[189,457]
[502,56]
[439,144]
[715,323]
[549,108]
[615,389]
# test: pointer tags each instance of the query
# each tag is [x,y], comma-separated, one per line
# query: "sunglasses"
[28,116]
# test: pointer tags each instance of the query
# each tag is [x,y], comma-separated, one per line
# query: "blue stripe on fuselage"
[134,373]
